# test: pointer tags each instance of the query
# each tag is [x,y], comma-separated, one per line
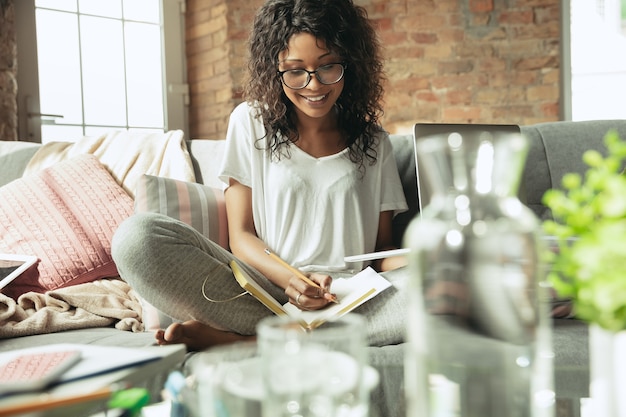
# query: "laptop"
[425,130]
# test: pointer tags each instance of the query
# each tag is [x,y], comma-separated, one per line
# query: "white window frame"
[176,93]
[566,61]
[567,100]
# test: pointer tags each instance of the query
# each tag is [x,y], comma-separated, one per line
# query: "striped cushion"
[66,216]
[199,206]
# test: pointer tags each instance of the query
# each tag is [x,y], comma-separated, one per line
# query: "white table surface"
[171,357]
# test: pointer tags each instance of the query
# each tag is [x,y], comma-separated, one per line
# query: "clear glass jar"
[480,340]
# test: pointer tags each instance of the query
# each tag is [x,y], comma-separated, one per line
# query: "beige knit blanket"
[102,303]
[127,155]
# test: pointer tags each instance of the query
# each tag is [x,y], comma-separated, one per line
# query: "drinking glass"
[226,382]
[314,373]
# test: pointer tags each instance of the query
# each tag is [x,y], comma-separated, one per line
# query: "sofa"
[555,148]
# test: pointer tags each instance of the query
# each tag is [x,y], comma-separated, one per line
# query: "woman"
[310,175]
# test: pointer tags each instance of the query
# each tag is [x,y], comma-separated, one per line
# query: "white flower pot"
[607,356]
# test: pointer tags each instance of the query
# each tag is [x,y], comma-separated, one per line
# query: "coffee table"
[171,356]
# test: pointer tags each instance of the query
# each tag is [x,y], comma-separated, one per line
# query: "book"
[94,360]
[36,370]
[351,292]
[101,373]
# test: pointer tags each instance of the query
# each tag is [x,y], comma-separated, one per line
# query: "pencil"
[48,401]
[299,274]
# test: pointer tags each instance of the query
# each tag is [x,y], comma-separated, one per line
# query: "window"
[99,65]
[594,59]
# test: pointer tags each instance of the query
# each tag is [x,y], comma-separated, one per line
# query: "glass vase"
[480,340]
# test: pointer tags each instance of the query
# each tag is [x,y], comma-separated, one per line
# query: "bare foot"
[196,335]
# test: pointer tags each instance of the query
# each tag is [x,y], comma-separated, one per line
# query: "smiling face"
[316,100]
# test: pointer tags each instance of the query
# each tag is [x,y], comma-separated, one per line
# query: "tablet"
[12,266]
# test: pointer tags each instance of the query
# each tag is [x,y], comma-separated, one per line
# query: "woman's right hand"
[309,297]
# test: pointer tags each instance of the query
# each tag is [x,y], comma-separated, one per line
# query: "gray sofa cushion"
[555,149]
[14,156]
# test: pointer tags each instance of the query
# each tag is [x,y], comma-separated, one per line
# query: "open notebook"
[422,131]
[351,293]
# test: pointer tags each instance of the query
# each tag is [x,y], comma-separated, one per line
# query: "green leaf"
[571,181]
[593,158]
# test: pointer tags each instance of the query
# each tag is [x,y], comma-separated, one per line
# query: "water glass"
[314,373]
[226,382]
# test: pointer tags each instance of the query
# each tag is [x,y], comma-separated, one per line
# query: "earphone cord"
[218,301]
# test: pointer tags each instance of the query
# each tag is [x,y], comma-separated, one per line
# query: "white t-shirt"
[311,211]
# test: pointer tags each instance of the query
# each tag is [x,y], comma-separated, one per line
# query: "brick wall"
[8,72]
[477,61]
[216,33]
[463,61]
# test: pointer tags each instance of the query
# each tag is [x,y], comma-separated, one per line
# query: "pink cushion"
[200,206]
[65,215]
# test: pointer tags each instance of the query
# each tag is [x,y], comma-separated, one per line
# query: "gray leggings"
[177,270]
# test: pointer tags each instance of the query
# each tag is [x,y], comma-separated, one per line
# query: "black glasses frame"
[310,75]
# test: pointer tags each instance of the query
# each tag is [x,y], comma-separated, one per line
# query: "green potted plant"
[589,266]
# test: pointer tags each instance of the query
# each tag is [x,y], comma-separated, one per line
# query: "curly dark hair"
[346,31]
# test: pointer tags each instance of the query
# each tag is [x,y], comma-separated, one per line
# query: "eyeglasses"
[297,79]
